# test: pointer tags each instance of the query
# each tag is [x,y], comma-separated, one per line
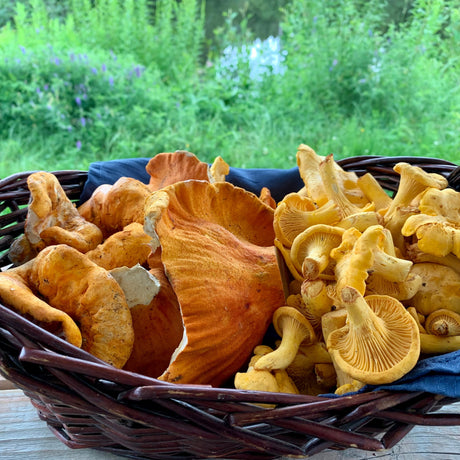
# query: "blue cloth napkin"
[437,374]
[279,181]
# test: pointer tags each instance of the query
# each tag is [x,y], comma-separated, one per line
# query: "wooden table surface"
[23,436]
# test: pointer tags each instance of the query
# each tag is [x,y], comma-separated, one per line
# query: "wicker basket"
[88,404]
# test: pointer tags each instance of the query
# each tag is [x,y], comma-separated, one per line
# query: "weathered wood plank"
[23,436]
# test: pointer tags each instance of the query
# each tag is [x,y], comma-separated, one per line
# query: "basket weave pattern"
[88,404]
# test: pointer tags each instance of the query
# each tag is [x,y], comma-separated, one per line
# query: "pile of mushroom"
[176,279]
[180,278]
[377,277]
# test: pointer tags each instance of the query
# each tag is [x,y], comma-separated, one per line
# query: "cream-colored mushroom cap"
[380,342]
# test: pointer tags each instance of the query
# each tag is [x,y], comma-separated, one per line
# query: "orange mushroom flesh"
[440,288]
[276,381]
[17,292]
[294,329]
[316,302]
[308,163]
[413,181]
[266,197]
[362,254]
[217,250]
[114,207]
[431,344]
[318,185]
[218,170]
[158,329]
[380,342]
[53,219]
[170,167]
[127,247]
[69,281]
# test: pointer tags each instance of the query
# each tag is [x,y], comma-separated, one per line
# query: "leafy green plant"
[95,81]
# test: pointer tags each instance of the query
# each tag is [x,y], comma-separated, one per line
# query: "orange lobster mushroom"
[72,283]
[217,250]
[53,219]
[113,207]
[170,167]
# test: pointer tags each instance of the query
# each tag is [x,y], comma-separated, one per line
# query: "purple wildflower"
[38,90]
[111,80]
[103,67]
[23,50]
[83,121]
[78,145]
[78,101]
[45,87]
[138,71]
[57,61]
[94,70]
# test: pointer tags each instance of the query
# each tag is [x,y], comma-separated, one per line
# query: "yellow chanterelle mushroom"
[311,249]
[440,288]
[295,213]
[369,252]
[336,190]
[443,322]
[380,342]
[294,329]
[413,181]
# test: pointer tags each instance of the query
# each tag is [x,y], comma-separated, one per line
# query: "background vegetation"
[82,81]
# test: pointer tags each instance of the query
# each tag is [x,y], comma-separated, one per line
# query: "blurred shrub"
[116,80]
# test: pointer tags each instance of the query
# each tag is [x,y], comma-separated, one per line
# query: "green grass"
[73,90]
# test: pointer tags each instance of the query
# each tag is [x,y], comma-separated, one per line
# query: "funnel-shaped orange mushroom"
[309,163]
[413,181]
[170,167]
[217,250]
